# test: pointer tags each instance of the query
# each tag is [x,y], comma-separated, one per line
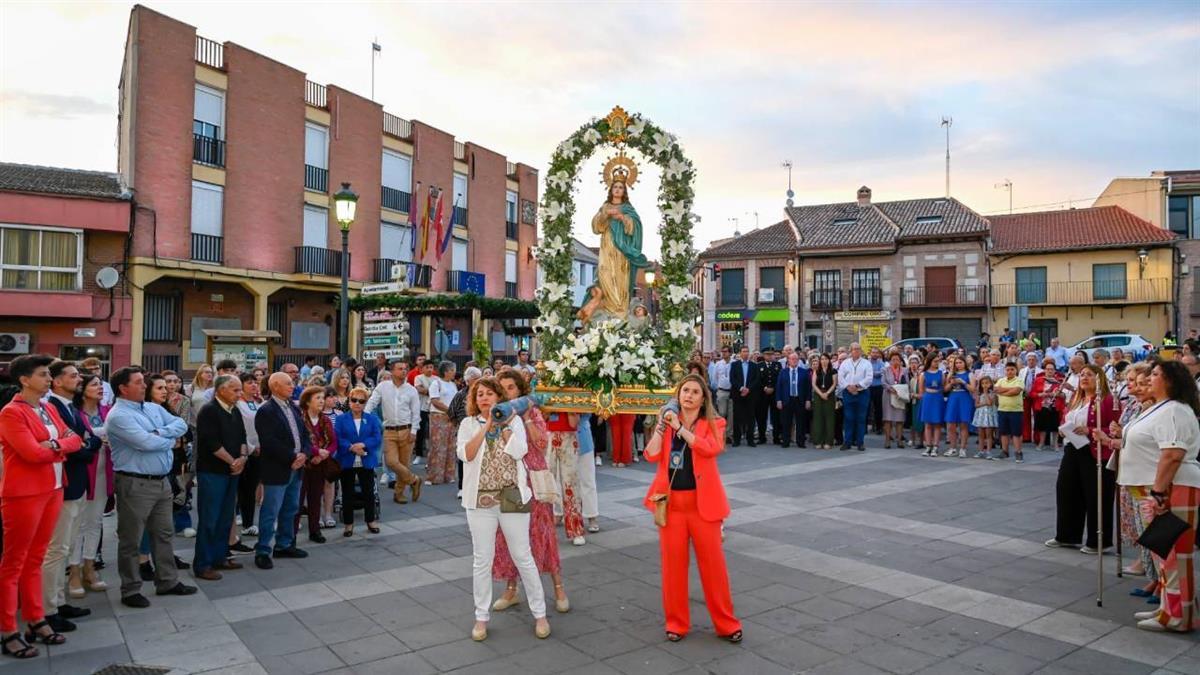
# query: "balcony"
[397,126]
[208,248]
[208,150]
[510,170]
[316,179]
[1063,293]
[866,298]
[460,151]
[459,217]
[778,298]
[210,53]
[156,363]
[459,281]
[944,296]
[732,298]
[510,289]
[397,200]
[510,230]
[825,299]
[314,94]
[416,274]
[317,260]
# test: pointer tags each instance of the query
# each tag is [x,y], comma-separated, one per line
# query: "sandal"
[349,531]
[51,638]
[673,637]
[734,637]
[23,651]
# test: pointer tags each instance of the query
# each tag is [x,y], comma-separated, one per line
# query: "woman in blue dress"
[932,403]
[960,407]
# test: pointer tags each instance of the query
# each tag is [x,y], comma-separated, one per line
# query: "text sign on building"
[732,315]
[385,327]
[386,353]
[863,315]
[381,340]
[85,332]
[380,289]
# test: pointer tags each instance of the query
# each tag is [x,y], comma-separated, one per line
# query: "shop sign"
[863,315]
[875,336]
[85,332]
[733,314]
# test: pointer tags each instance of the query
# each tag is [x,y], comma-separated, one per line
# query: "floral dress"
[543,540]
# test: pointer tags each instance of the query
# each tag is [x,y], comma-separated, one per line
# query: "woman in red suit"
[34,442]
[686,448]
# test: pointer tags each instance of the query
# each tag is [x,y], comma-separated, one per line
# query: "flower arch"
[679,306]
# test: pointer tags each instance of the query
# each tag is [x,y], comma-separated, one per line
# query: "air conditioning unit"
[14,343]
[766,295]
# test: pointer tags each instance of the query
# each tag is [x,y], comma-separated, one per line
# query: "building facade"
[1076,273]
[58,229]
[749,290]
[878,272]
[233,157]
[1171,201]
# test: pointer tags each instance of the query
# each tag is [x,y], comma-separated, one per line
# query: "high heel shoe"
[51,638]
[23,650]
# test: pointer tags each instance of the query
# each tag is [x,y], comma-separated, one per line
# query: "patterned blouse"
[497,469]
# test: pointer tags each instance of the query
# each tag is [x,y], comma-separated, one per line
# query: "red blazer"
[1039,381]
[28,467]
[710,492]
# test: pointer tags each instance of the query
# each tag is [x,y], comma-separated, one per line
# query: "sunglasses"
[358,400]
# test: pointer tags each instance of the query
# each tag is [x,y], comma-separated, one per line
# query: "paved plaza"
[841,562]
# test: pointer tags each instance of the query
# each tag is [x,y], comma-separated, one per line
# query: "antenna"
[1007,185]
[947,122]
[734,220]
[755,214]
[376,48]
[787,164]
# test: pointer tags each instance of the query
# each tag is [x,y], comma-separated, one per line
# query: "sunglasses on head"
[358,400]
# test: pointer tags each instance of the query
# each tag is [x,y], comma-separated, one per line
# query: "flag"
[442,228]
[414,217]
[425,222]
[444,241]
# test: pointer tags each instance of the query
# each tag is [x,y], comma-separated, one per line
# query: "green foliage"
[495,308]
[482,350]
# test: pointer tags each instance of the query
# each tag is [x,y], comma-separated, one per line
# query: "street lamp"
[1143,256]
[650,278]
[345,204]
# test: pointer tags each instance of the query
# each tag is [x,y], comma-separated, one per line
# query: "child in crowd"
[985,420]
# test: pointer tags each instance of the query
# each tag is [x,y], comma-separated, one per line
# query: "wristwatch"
[54,444]
[1159,497]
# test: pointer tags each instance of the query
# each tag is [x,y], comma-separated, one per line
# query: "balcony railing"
[416,275]
[732,298]
[314,94]
[510,289]
[944,296]
[317,260]
[460,150]
[1117,292]
[208,248]
[156,363]
[778,299]
[397,126]
[208,150]
[866,298]
[397,200]
[510,230]
[316,178]
[210,53]
[510,170]
[459,217]
[825,298]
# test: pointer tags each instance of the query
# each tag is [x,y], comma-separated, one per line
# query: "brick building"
[232,158]
[878,272]
[58,228]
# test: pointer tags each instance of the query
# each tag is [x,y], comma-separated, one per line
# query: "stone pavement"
[841,562]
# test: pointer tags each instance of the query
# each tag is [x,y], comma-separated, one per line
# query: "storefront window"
[771,335]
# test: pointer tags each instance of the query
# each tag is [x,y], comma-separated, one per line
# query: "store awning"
[775,315]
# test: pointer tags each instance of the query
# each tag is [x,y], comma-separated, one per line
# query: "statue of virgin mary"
[620,231]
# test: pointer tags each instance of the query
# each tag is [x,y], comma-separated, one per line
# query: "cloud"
[53,106]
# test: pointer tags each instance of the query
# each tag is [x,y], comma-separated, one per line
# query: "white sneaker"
[239,521]
[459,495]
[579,541]
[952,452]
[189,532]
[416,461]
[383,480]
[928,452]
[251,531]
[599,462]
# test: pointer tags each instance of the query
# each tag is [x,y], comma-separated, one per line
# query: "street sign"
[385,327]
[381,340]
[380,289]
[382,315]
[386,353]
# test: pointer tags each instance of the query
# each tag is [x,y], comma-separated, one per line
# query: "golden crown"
[620,168]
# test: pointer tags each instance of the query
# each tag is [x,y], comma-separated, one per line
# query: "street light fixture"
[345,203]
[650,276]
[1143,256]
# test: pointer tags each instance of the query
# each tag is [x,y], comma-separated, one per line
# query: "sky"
[1058,98]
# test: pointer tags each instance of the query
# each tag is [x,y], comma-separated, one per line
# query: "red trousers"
[28,525]
[622,438]
[1027,422]
[684,523]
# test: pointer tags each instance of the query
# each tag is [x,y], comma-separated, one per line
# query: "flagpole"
[375,49]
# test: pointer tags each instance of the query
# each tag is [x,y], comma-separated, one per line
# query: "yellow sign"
[874,336]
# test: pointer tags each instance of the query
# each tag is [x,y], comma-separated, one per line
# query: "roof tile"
[1096,227]
[59,181]
[777,238]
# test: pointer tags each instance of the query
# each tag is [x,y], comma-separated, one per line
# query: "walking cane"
[1099,512]
[1116,462]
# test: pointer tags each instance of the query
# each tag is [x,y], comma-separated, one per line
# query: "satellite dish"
[107,277]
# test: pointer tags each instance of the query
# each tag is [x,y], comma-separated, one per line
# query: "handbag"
[329,468]
[510,501]
[1162,533]
[660,500]
[545,487]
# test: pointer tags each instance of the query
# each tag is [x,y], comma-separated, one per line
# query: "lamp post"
[345,203]
[650,277]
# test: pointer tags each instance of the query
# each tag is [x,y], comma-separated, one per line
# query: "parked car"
[944,344]
[1135,346]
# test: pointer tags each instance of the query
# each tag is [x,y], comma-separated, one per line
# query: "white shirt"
[427,382]
[720,374]
[249,409]
[857,372]
[1165,425]
[401,405]
[53,430]
[1075,417]
[358,429]
[443,391]
[995,372]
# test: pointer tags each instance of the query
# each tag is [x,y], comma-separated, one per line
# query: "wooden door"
[939,285]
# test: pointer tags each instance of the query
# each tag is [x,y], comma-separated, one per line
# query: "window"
[309,335]
[864,279]
[197,350]
[276,315]
[827,288]
[845,221]
[772,277]
[510,267]
[395,241]
[459,200]
[397,181]
[864,288]
[733,286]
[208,116]
[162,316]
[316,145]
[40,259]
[316,226]
[1177,215]
[510,206]
[770,335]
[1108,281]
[1031,285]
[207,207]
[928,220]
[458,254]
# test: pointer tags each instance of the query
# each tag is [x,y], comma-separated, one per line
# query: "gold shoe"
[479,634]
[561,606]
[542,633]
[75,582]
[503,603]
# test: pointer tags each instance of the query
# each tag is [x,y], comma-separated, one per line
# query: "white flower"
[560,180]
[552,290]
[676,168]
[678,329]
[679,294]
[591,136]
[554,210]
[677,248]
[635,128]
[676,212]
[663,144]
[567,149]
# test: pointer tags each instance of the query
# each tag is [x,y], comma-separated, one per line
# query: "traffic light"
[716,272]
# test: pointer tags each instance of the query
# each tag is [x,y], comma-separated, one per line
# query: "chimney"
[864,196]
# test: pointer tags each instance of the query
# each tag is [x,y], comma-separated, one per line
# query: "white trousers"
[91,519]
[586,470]
[54,565]
[483,524]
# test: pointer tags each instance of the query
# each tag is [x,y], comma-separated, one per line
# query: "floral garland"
[607,356]
[679,306]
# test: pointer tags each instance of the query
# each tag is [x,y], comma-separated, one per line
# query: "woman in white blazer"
[491,464]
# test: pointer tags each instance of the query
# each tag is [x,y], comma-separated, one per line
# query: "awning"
[776,315]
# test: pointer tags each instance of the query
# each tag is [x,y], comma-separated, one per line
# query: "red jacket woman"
[34,441]
[686,444]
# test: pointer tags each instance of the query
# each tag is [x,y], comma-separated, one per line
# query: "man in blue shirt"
[1059,354]
[142,435]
